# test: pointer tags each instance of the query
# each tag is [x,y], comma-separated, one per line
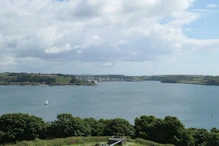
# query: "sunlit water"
[195,105]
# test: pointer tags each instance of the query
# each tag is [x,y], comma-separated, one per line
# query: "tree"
[149,127]
[1,136]
[200,136]
[66,125]
[97,127]
[175,132]
[214,130]
[17,127]
[73,80]
[119,127]
[213,139]
[169,130]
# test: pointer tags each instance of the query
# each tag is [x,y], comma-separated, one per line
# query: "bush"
[66,125]
[18,127]
[119,127]
[168,130]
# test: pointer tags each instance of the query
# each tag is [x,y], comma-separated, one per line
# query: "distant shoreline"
[26,79]
[47,85]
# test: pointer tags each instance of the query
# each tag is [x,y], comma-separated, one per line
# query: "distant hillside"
[67,79]
[185,79]
[41,79]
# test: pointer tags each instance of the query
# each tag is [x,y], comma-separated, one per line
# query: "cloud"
[7,61]
[67,47]
[95,32]
[211,6]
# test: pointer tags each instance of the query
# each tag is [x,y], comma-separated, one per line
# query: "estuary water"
[195,105]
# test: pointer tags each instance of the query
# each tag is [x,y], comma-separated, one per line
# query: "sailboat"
[46,102]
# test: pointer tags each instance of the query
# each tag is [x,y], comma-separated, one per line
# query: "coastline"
[46,85]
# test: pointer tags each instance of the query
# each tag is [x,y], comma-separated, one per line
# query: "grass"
[140,142]
[126,144]
[83,141]
[87,144]
[63,80]
[1,74]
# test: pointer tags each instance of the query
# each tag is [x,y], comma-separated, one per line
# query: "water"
[192,104]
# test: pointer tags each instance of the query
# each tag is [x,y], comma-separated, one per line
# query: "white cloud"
[211,6]
[67,47]
[7,61]
[95,37]
[107,64]
[79,51]
[96,32]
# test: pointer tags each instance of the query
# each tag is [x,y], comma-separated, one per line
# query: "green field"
[63,80]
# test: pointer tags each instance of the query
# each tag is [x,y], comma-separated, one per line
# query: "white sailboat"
[46,102]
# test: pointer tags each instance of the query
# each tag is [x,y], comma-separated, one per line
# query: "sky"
[141,37]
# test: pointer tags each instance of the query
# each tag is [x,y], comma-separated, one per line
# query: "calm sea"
[195,105]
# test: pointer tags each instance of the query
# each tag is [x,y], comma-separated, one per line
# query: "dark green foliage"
[2,79]
[77,81]
[215,130]
[213,139]
[212,82]
[34,78]
[73,80]
[200,136]
[169,130]
[174,131]
[17,127]
[97,127]
[149,127]
[119,127]
[66,125]
[1,136]
[16,74]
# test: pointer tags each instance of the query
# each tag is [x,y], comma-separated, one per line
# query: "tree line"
[17,127]
[36,79]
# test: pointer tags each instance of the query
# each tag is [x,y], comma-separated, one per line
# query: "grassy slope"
[2,77]
[83,141]
[63,80]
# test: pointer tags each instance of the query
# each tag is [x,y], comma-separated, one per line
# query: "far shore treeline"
[9,78]
[16,127]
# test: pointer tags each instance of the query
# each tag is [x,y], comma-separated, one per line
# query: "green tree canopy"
[66,125]
[168,130]
[19,127]
[119,127]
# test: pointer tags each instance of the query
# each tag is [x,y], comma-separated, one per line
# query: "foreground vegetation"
[18,127]
[84,141]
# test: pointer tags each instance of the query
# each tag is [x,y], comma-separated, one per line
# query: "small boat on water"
[46,102]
